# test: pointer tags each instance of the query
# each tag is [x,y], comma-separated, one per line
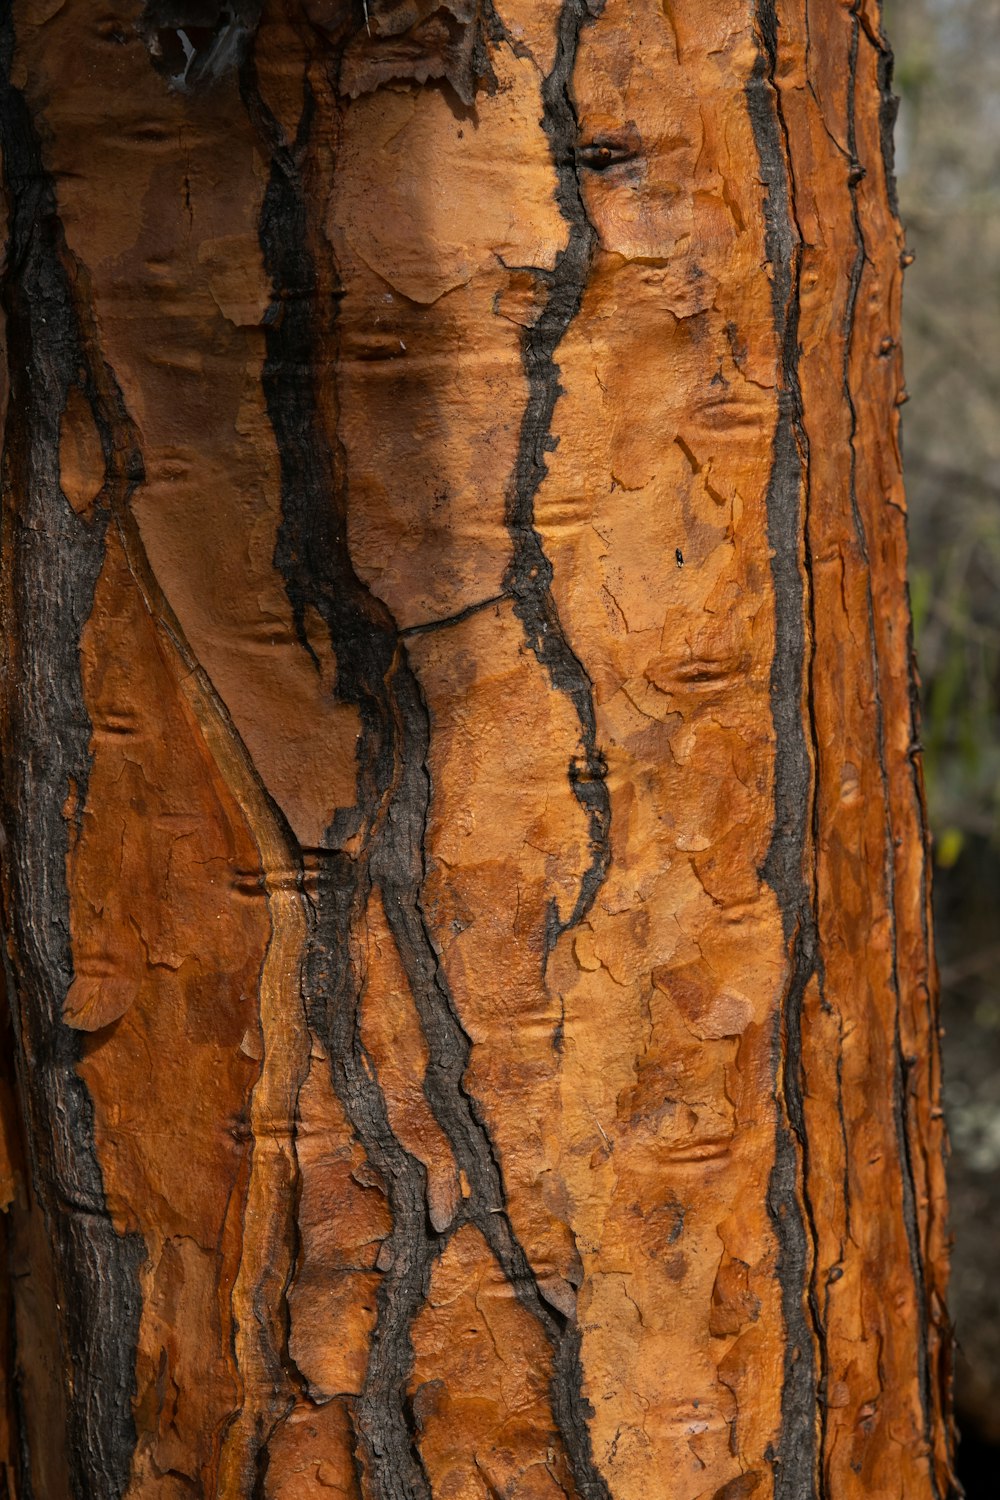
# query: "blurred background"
[948,164]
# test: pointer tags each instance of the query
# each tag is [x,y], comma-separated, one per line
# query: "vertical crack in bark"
[382,844]
[820,1318]
[798,1468]
[529,576]
[888,105]
[900,1064]
[52,562]
[313,557]
[20,1447]
[816,819]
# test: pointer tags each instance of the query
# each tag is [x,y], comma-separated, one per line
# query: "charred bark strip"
[313,558]
[16,1415]
[888,106]
[888,110]
[797,1468]
[529,577]
[382,1418]
[389,826]
[823,1321]
[529,581]
[900,1067]
[53,559]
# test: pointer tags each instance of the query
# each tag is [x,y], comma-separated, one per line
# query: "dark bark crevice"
[313,559]
[901,1064]
[16,1414]
[52,562]
[888,101]
[798,1470]
[529,576]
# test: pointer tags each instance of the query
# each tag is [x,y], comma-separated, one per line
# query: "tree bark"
[465,873]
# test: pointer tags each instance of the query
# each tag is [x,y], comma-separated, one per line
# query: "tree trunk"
[465,871]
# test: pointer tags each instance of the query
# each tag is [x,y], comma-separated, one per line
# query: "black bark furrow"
[816,825]
[888,103]
[394,794]
[528,581]
[900,1068]
[381,1411]
[529,575]
[53,562]
[312,556]
[798,1469]
[20,1454]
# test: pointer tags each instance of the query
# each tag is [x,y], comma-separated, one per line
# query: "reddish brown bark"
[466,877]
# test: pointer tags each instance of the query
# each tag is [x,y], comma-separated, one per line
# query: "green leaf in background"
[948,847]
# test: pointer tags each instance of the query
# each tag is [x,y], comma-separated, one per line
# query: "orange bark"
[466,874]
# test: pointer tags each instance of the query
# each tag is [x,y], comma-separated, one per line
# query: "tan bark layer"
[466,889]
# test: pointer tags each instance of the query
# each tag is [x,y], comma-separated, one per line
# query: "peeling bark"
[464,865]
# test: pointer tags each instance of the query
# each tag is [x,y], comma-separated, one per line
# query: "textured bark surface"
[464,876]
